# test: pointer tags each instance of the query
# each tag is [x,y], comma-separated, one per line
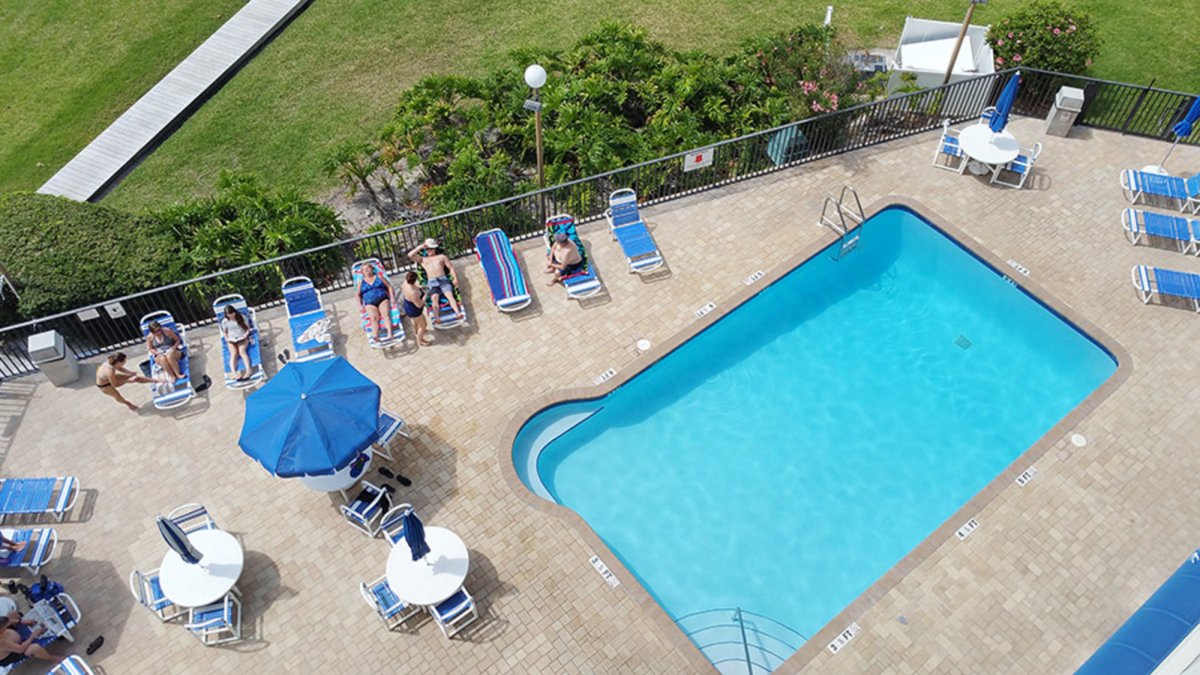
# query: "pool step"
[736,641]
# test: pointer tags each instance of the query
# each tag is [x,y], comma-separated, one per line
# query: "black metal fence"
[1127,108]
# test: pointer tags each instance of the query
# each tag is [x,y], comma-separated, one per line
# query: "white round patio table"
[987,148]
[210,579]
[339,481]
[433,578]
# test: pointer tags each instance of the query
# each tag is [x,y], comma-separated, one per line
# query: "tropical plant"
[1046,34]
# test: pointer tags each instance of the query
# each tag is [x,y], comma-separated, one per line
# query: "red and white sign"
[698,159]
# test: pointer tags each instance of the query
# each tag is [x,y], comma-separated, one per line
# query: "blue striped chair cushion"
[157,600]
[213,617]
[452,606]
[64,496]
[73,665]
[389,605]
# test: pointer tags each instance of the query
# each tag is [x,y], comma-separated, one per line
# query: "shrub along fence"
[1127,108]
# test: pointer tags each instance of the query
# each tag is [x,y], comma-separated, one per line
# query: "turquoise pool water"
[788,456]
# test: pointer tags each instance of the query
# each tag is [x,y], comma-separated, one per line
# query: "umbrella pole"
[1163,163]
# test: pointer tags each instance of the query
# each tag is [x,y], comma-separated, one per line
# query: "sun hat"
[431,243]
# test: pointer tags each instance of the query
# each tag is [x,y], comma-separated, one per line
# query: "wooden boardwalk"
[155,115]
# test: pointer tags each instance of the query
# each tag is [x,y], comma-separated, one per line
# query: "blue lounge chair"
[390,609]
[397,332]
[72,665]
[174,394]
[1184,192]
[28,496]
[39,548]
[627,227]
[949,155]
[365,511]
[582,284]
[1020,168]
[503,273]
[1151,281]
[306,320]
[1139,223]
[254,348]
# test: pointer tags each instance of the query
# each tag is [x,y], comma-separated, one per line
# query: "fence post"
[1138,104]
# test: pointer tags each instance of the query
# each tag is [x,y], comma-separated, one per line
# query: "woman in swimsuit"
[111,375]
[236,330]
[375,295]
[414,302]
[166,347]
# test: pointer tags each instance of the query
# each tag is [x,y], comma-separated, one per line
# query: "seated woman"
[166,347]
[236,330]
[17,641]
[375,295]
[112,374]
[564,258]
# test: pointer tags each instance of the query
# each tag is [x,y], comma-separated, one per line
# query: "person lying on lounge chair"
[375,295]
[15,648]
[166,347]
[236,330]
[564,258]
[440,273]
[412,305]
[113,374]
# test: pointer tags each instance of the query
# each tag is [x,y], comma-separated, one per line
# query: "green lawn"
[335,72]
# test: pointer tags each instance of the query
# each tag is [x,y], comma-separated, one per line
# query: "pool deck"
[1053,568]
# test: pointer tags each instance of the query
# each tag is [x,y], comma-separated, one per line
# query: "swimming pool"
[782,460]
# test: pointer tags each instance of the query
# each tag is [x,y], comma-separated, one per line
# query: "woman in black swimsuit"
[113,374]
[17,639]
[413,306]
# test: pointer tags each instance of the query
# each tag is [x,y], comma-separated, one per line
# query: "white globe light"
[535,76]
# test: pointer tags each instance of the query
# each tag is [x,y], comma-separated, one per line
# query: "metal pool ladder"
[846,219]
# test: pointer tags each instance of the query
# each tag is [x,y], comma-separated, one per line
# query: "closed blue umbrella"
[1183,128]
[178,541]
[414,535]
[311,419]
[1004,104]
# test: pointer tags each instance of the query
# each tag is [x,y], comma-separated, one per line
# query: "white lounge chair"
[1151,281]
[167,395]
[1184,193]
[1017,171]
[218,623]
[455,613]
[393,317]
[948,155]
[307,321]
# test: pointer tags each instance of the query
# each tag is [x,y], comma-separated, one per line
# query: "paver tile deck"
[1054,567]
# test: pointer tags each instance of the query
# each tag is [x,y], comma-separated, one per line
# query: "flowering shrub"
[1046,34]
[797,65]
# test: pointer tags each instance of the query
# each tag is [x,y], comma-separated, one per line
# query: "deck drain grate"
[963,342]
[844,638]
[605,573]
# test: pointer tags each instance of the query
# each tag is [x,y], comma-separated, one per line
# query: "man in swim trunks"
[564,258]
[440,274]
[17,641]
[412,303]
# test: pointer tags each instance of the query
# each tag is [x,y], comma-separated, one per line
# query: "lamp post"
[961,34]
[535,77]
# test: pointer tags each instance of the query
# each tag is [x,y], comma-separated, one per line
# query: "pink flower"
[833,101]
[1088,63]
[1010,35]
[1000,42]
[1057,31]
[817,107]
[1016,58]
[999,60]
[1071,28]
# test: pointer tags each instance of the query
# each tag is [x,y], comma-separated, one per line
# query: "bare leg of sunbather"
[385,313]
[242,351]
[372,322]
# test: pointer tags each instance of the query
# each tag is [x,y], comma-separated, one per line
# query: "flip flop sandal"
[403,481]
[95,645]
[386,473]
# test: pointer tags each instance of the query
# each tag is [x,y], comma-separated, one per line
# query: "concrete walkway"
[155,115]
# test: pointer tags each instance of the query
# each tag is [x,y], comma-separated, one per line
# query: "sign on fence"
[698,159]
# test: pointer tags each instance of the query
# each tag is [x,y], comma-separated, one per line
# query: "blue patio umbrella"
[311,419]
[1004,104]
[414,535]
[178,541]
[1183,128]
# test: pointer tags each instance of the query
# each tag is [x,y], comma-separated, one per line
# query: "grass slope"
[335,72]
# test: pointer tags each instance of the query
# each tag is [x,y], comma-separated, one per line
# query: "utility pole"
[961,35]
